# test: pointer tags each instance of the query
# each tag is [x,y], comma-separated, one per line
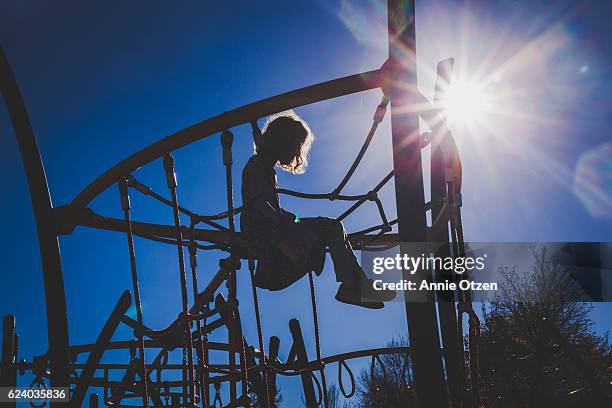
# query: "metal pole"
[446,299]
[227,138]
[99,348]
[93,400]
[53,278]
[8,368]
[172,185]
[410,199]
[200,326]
[125,206]
[301,360]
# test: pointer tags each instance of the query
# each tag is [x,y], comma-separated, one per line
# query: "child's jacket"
[286,250]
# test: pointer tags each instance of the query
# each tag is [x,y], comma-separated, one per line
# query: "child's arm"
[271,214]
[259,189]
[267,210]
[288,216]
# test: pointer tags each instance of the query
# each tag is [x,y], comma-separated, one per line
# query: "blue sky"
[103,81]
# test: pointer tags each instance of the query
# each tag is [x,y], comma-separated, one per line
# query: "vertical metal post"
[446,298]
[55,297]
[8,370]
[262,350]
[13,370]
[315,318]
[125,206]
[410,199]
[200,326]
[93,400]
[235,327]
[273,348]
[168,162]
[106,385]
[227,139]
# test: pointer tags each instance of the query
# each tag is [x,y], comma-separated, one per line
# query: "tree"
[388,382]
[335,401]
[537,346]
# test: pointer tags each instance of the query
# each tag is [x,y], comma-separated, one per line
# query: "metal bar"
[315,319]
[242,239]
[12,372]
[202,336]
[256,379]
[93,400]
[410,200]
[474,323]
[99,347]
[118,392]
[260,338]
[125,206]
[8,351]
[446,299]
[300,97]
[8,369]
[158,230]
[227,139]
[302,360]
[172,184]
[314,365]
[367,353]
[125,344]
[106,387]
[55,297]
[207,295]
[273,349]
[459,252]
[148,388]
[235,326]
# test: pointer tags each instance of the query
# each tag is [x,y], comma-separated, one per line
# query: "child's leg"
[354,288]
[334,236]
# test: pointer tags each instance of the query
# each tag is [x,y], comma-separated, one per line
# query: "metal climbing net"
[250,372]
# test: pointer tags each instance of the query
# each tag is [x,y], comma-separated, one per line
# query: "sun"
[465,102]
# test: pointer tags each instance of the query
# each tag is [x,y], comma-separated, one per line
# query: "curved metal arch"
[55,296]
[242,115]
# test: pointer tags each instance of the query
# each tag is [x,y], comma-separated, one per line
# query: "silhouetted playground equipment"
[251,372]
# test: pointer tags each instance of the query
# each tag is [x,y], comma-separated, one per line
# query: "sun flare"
[465,102]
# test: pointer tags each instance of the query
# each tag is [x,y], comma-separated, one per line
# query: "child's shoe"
[352,296]
[364,295]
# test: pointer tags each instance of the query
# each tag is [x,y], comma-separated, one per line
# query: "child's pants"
[334,236]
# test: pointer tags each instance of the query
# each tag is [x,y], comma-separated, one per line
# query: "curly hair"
[287,130]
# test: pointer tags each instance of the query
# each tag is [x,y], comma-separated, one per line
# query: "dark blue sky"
[102,81]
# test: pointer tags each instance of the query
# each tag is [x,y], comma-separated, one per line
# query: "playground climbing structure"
[252,367]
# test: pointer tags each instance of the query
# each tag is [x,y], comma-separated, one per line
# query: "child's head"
[287,137]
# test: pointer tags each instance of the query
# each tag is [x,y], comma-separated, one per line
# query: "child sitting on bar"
[288,248]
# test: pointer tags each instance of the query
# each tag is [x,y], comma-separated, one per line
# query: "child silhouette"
[287,249]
